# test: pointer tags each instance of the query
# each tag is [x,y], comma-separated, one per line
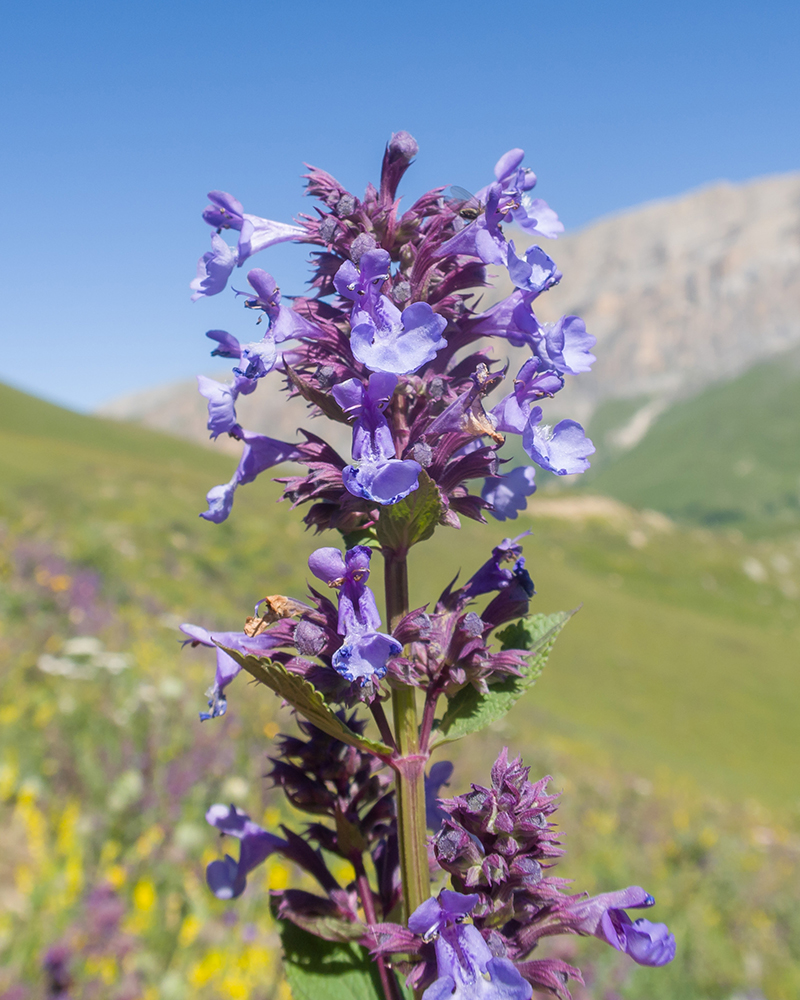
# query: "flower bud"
[402,145]
[361,245]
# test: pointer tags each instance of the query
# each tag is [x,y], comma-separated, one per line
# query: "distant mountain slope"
[727,457]
[179,409]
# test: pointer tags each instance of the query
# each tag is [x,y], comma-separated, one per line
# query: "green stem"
[410,765]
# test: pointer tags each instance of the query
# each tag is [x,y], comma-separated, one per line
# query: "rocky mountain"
[680,294]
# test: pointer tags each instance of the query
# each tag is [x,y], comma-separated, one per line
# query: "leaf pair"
[469,711]
[412,519]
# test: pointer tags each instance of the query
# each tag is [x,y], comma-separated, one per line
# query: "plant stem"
[410,766]
[388,979]
[428,712]
[382,723]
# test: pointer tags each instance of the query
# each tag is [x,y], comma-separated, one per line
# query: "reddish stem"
[388,978]
[428,714]
[382,722]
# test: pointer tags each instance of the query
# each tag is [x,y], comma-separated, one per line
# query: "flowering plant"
[392,343]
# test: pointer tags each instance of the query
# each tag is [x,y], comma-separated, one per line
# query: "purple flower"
[259,454]
[381,337]
[563,449]
[227,879]
[510,318]
[55,966]
[255,233]
[401,343]
[224,212]
[221,405]
[258,358]
[645,942]
[513,413]
[531,214]
[376,474]
[433,916]
[227,667]
[364,652]
[229,346]
[566,345]
[482,238]
[466,968]
[604,916]
[220,501]
[213,269]
[563,346]
[493,575]
[284,323]
[506,200]
[536,273]
[362,285]
[363,657]
[509,494]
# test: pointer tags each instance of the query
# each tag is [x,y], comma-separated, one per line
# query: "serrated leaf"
[469,711]
[327,970]
[536,633]
[412,519]
[323,400]
[302,695]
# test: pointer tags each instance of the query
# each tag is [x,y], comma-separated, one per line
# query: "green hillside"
[667,712]
[730,457]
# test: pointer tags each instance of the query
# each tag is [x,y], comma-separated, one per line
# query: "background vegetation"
[666,716]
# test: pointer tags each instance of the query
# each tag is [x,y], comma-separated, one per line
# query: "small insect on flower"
[465,204]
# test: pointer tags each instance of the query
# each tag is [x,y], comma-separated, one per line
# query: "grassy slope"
[677,658]
[731,456]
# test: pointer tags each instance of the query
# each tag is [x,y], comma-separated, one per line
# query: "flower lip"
[436,913]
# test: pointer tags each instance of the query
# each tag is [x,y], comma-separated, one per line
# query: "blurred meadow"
[666,716]
[667,713]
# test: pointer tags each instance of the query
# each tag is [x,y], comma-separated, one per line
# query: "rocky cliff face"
[679,293]
[682,293]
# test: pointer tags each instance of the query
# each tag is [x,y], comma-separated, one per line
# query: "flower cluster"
[381,345]
[391,342]
[343,653]
[497,845]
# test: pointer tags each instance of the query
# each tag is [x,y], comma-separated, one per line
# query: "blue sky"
[118,118]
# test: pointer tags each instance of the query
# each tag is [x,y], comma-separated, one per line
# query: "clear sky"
[117,118]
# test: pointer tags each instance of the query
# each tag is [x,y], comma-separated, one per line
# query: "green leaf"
[327,970]
[468,710]
[361,536]
[303,696]
[412,519]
